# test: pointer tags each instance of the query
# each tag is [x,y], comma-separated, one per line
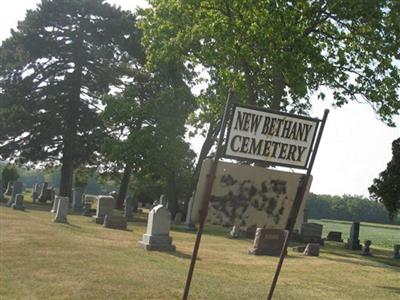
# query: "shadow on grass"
[380,256]
[181,255]
[393,289]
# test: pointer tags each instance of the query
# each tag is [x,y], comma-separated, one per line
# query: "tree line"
[347,208]
[86,85]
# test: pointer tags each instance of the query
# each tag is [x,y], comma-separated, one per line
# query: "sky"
[355,147]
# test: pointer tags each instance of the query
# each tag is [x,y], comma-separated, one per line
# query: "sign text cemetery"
[276,137]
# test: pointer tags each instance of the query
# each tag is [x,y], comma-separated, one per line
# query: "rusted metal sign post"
[207,195]
[255,135]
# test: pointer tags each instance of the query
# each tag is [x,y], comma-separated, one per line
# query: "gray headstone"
[62,210]
[115,222]
[19,202]
[77,195]
[353,243]
[268,242]
[312,249]
[55,205]
[128,210]
[105,206]
[157,233]
[16,189]
[311,233]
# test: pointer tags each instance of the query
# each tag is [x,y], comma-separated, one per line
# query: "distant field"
[381,235]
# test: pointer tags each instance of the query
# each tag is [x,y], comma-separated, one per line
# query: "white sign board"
[270,136]
[245,196]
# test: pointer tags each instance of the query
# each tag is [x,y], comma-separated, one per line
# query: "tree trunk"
[123,187]
[279,89]
[71,149]
[212,133]
[67,176]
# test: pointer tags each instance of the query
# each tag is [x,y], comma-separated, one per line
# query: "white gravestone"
[105,206]
[157,234]
[62,210]
[19,202]
[55,205]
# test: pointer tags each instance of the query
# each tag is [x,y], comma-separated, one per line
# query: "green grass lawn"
[383,236]
[43,260]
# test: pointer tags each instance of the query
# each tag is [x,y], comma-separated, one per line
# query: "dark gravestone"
[353,243]
[115,222]
[250,232]
[19,202]
[268,242]
[43,197]
[334,236]
[396,251]
[311,233]
[16,189]
[312,249]
[366,251]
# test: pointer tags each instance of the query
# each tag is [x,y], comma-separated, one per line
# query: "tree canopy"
[53,70]
[147,127]
[277,53]
[386,188]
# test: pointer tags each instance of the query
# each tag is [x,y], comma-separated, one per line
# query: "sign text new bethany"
[275,137]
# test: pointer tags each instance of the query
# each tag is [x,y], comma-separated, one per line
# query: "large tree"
[386,188]
[278,53]
[53,70]
[147,126]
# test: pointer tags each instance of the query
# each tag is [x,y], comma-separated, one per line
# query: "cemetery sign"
[265,135]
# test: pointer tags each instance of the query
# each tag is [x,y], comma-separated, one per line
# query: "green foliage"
[386,188]
[349,208]
[53,71]
[277,53]
[82,177]
[9,174]
[146,122]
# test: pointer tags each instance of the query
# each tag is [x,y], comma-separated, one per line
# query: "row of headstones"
[158,225]
[40,192]
[271,241]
